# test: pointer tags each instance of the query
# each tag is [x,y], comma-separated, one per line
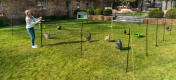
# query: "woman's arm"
[31,23]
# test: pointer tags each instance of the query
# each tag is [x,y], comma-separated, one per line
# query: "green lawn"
[60,58]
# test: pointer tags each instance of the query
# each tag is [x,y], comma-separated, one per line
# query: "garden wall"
[160,21]
[100,17]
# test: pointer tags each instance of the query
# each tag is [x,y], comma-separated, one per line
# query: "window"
[78,4]
[88,5]
[0,6]
[45,4]
[174,4]
[42,4]
[158,4]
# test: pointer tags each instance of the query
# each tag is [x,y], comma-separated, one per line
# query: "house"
[1,9]
[45,7]
[163,4]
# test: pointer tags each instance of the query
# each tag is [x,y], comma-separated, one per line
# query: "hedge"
[90,11]
[61,17]
[107,12]
[98,11]
[4,21]
[156,13]
[171,14]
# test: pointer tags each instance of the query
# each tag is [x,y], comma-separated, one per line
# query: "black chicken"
[59,27]
[125,32]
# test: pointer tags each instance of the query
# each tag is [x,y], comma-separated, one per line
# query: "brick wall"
[160,21]
[54,7]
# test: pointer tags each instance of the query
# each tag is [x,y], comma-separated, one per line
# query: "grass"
[60,58]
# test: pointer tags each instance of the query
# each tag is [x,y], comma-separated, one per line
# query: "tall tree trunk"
[69,8]
[153,4]
[166,5]
[140,4]
[171,4]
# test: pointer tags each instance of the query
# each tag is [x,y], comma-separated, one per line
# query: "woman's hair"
[27,11]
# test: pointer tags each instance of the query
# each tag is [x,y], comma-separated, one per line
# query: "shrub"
[171,14]
[98,11]
[107,12]
[90,11]
[4,21]
[61,17]
[156,13]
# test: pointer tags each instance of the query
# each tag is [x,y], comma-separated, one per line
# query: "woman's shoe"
[35,46]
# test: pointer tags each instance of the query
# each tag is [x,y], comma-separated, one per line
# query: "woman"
[30,22]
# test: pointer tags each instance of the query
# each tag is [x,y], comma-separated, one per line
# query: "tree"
[166,1]
[172,3]
[113,1]
[140,5]
[153,4]
[69,8]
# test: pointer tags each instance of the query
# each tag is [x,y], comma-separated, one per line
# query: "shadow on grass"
[112,41]
[53,38]
[126,48]
[71,42]
[94,41]
[93,22]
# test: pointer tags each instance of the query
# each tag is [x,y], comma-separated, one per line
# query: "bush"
[90,11]
[156,13]
[4,21]
[107,12]
[171,14]
[61,17]
[98,11]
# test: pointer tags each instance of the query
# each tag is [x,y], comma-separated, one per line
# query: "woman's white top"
[30,22]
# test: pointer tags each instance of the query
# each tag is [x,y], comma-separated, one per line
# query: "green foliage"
[156,13]
[171,14]
[61,17]
[98,11]
[107,12]
[4,21]
[90,11]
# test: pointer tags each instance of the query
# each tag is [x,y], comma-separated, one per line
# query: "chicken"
[47,35]
[125,32]
[59,27]
[167,28]
[88,38]
[107,38]
[119,44]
